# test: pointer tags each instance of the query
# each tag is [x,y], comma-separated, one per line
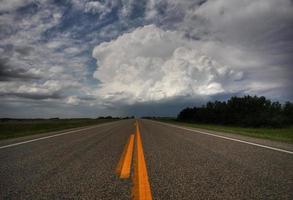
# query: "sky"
[83,58]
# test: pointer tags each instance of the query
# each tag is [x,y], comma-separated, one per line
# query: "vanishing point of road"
[179,163]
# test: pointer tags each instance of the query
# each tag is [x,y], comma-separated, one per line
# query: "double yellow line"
[141,189]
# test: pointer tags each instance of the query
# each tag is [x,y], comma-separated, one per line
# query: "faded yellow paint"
[124,165]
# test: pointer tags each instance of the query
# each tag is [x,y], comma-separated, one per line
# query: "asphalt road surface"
[181,164]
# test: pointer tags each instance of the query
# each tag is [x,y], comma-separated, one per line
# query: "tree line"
[247,111]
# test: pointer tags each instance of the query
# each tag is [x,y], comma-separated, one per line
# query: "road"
[181,164]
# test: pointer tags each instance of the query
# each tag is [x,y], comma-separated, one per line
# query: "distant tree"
[251,111]
[288,112]
[187,114]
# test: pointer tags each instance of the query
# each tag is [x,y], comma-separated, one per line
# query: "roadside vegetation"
[248,115]
[11,128]
[284,134]
[244,111]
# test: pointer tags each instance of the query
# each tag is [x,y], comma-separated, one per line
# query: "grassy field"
[17,128]
[278,134]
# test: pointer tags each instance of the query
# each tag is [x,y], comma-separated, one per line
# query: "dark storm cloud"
[161,108]
[32,96]
[24,50]
[171,107]
[11,73]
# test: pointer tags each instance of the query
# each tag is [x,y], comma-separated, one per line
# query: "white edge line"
[227,138]
[50,136]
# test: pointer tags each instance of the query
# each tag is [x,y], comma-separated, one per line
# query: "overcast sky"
[85,58]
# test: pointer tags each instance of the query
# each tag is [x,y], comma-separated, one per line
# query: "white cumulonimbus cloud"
[151,64]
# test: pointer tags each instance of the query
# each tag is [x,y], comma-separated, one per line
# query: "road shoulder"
[260,141]
[51,133]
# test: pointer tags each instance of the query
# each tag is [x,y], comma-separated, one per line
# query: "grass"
[13,128]
[277,134]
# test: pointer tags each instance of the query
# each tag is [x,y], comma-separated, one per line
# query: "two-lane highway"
[181,164]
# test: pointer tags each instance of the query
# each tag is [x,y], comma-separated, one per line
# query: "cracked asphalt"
[181,165]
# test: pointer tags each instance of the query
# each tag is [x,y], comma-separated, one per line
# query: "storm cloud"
[150,64]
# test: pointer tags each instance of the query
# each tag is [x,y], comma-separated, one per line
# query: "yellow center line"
[124,165]
[141,189]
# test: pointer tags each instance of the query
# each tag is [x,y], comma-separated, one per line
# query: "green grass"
[18,128]
[277,134]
